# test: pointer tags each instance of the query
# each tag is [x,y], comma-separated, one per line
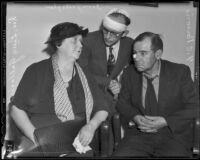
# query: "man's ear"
[158,53]
[125,33]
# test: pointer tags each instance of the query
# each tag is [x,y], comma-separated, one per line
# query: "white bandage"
[116,10]
[114,25]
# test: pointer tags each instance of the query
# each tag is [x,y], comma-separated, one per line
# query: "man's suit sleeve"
[190,102]
[84,61]
[124,104]
[85,54]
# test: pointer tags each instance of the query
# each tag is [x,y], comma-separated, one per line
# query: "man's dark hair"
[156,41]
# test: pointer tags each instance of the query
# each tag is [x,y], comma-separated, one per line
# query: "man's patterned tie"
[111,61]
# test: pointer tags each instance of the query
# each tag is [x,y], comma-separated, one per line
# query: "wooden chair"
[12,140]
[117,133]
[196,145]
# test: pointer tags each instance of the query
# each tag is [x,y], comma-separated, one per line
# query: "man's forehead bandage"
[116,10]
[109,23]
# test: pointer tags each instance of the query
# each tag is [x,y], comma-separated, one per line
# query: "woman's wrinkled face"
[71,47]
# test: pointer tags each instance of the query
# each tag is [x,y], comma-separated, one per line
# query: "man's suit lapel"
[121,59]
[164,82]
[101,53]
[139,94]
[137,89]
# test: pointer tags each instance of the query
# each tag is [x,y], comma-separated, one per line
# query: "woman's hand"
[86,134]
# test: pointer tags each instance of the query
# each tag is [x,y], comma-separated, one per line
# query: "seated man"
[160,98]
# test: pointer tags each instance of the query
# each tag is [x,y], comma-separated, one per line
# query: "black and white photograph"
[100,80]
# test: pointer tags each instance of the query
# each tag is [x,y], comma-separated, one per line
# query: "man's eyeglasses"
[142,53]
[111,33]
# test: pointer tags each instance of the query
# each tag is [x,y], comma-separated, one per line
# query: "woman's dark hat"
[66,30]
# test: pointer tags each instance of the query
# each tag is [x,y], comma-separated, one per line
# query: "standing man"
[160,98]
[107,52]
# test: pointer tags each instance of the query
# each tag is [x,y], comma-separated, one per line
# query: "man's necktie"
[151,104]
[111,61]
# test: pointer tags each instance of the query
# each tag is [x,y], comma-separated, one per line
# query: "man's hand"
[114,87]
[157,121]
[144,124]
[86,134]
[149,124]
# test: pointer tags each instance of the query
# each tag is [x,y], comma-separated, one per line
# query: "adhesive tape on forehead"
[116,26]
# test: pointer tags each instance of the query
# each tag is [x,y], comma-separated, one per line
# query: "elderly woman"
[57,89]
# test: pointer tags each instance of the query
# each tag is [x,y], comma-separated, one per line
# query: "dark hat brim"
[82,32]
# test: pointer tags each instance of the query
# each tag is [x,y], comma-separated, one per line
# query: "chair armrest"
[104,139]
[116,129]
[9,142]
[196,137]
[7,148]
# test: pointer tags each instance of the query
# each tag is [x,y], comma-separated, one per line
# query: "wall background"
[28,27]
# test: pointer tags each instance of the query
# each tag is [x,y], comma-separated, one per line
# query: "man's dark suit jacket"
[94,58]
[177,99]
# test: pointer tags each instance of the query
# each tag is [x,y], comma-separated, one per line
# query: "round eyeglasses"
[112,33]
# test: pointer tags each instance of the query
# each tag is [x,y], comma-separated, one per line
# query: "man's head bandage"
[116,26]
[116,10]
[108,22]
